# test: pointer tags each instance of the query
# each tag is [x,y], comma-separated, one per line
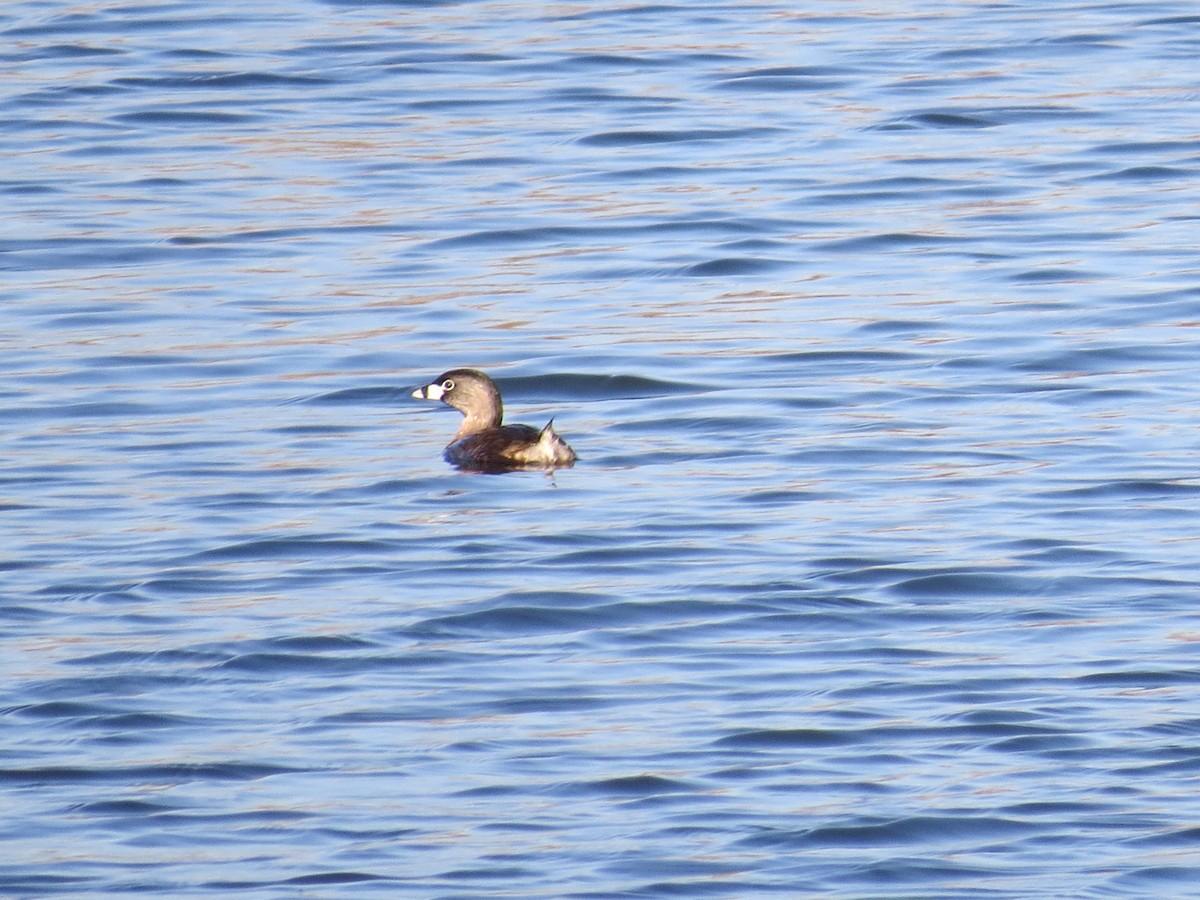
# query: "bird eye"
[448,384]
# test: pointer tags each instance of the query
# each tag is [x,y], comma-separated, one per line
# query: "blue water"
[874,327]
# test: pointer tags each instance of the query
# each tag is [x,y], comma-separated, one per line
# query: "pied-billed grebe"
[482,444]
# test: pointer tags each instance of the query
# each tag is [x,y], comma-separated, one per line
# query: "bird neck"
[480,420]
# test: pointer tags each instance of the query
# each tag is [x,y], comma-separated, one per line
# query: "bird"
[482,443]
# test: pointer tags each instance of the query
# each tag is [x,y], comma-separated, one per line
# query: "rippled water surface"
[874,327]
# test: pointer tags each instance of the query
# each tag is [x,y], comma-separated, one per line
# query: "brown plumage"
[482,443]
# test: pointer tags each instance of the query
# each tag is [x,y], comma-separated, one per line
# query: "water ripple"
[874,329]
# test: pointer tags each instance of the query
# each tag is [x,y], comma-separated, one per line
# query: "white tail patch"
[552,449]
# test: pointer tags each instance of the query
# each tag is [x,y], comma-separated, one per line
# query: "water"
[874,329]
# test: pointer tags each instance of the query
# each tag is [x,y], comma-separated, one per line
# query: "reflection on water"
[873,332]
